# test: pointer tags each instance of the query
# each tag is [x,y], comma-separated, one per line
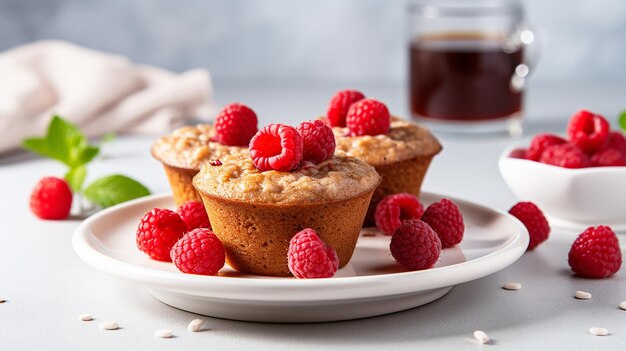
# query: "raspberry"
[565,155]
[534,220]
[595,253]
[194,215]
[608,157]
[158,231]
[339,105]
[278,147]
[519,153]
[617,141]
[588,131]
[540,142]
[318,141]
[393,209]
[415,245]
[309,257]
[198,252]
[235,125]
[446,220]
[51,199]
[368,117]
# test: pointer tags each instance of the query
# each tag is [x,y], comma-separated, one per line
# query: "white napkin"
[98,92]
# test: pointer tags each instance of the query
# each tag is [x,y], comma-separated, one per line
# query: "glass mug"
[468,65]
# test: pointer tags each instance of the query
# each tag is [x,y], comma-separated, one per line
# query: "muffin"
[255,214]
[182,154]
[401,157]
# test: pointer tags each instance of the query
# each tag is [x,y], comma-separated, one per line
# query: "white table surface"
[46,285]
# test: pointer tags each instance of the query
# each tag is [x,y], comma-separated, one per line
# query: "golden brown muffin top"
[338,178]
[405,140]
[190,147]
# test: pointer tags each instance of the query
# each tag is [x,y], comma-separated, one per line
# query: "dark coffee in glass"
[467,65]
[464,77]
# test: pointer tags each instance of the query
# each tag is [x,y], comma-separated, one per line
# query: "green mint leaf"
[87,154]
[114,189]
[67,143]
[622,120]
[37,145]
[63,142]
[108,137]
[76,177]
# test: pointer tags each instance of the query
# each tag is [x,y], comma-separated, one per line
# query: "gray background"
[279,41]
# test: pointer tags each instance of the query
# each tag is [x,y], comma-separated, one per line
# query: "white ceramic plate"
[371,284]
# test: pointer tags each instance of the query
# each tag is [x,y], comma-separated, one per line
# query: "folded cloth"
[98,92]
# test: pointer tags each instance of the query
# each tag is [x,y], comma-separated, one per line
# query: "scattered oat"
[195,325]
[85,317]
[481,336]
[582,295]
[109,325]
[512,286]
[598,331]
[163,333]
[622,305]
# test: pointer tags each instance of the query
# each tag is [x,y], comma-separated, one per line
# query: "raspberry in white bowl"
[577,179]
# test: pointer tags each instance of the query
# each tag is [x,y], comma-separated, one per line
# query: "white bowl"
[572,197]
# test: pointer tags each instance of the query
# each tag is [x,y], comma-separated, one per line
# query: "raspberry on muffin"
[276,147]
[339,106]
[185,150]
[235,125]
[401,151]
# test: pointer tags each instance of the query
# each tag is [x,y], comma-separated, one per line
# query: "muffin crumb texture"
[190,147]
[337,178]
[405,140]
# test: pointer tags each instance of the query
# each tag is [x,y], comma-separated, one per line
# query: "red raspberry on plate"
[368,117]
[446,220]
[276,147]
[595,253]
[540,142]
[617,141]
[235,125]
[194,215]
[339,105]
[393,209]
[588,131]
[607,158]
[309,257]
[415,245]
[533,219]
[51,198]
[318,141]
[158,231]
[565,155]
[198,252]
[519,153]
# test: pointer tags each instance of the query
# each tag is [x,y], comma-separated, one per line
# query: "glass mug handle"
[524,37]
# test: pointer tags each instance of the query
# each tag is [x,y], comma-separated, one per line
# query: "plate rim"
[216,286]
